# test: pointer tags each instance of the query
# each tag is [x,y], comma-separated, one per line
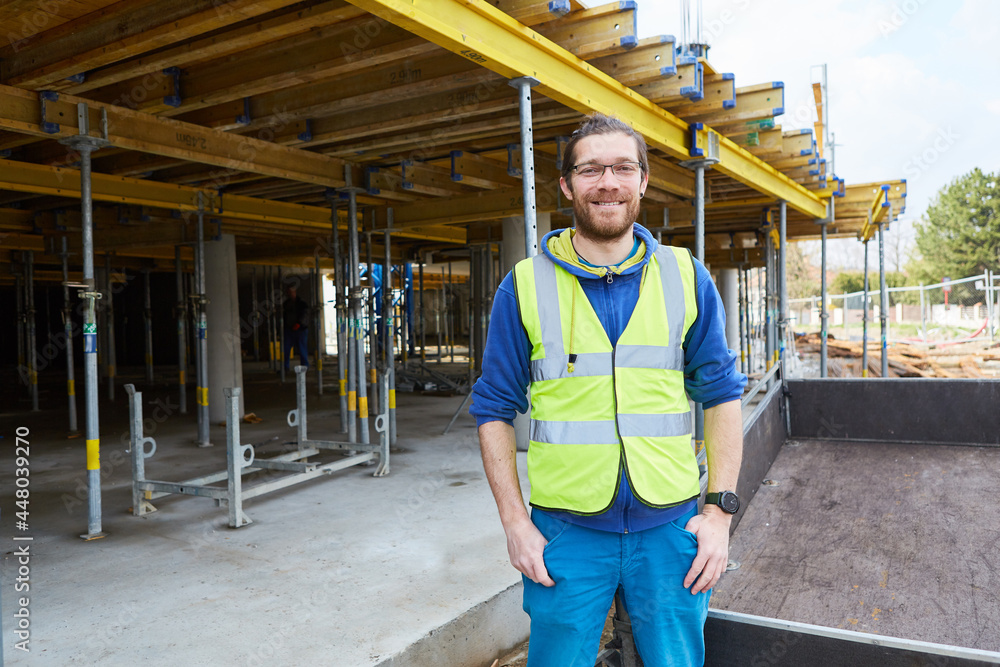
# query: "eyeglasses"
[592,171]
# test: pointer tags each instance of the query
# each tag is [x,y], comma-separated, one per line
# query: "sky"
[912,84]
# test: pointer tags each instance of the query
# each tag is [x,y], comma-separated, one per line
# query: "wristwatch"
[727,500]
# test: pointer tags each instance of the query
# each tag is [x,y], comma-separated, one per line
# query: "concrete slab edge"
[473,639]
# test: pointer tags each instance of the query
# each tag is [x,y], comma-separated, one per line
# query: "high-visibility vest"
[596,408]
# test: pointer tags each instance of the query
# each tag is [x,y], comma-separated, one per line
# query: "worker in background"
[612,333]
[296,319]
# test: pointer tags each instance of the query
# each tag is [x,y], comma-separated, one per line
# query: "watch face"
[730,502]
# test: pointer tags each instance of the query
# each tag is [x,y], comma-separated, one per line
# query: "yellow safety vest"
[596,407]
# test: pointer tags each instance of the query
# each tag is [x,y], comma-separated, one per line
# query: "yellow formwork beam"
[876,213]
[897,191]
[741,165]
[857,198]
[481,33]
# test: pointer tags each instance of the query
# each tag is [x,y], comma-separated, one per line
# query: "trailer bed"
[899,540]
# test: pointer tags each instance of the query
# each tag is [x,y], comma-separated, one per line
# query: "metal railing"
[931,313]
[764,382]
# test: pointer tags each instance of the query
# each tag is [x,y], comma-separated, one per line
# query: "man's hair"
[598,123]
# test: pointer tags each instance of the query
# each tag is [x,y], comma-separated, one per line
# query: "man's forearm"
[497,443]
[525,544]
[724,445]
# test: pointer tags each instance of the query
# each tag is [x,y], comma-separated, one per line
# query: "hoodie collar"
[558,246]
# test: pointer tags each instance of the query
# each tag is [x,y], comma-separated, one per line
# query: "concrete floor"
[348,570]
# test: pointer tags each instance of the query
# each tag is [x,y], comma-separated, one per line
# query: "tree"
[959,235]
[897,241]
[847,282]
[802,276]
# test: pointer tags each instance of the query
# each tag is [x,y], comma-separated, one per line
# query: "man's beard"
[604,228]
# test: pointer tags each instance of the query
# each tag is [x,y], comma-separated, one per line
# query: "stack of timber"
[977,360]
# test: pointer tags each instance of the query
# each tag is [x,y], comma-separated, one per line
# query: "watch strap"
[716,499]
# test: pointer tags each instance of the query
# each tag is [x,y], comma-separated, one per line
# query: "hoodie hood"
[558,246]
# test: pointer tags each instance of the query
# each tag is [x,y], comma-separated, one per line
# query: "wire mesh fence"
[952,310]
[754,321]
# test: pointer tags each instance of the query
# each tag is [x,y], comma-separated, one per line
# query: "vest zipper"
[622,461]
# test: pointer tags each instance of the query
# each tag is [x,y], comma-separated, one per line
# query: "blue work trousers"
[588,566]
[296,340]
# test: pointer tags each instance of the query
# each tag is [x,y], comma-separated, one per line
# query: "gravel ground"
[519,656]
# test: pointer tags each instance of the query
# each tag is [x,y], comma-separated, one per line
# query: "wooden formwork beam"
[21,111]
[652,59]
[755,102]
[38,179]
[595,32]
[676,88]
[718,94]
[127,28]
[220,44]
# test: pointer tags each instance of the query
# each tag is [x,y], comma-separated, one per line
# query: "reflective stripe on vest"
[608,405]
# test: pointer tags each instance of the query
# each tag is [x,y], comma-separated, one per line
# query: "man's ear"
[567,190]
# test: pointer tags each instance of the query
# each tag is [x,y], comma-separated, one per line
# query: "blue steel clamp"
[48,96]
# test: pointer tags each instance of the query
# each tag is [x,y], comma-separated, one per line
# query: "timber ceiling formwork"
[268,106]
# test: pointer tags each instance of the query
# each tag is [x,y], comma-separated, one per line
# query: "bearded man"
[613,333]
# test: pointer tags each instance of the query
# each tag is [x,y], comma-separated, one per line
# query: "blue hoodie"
[710,374]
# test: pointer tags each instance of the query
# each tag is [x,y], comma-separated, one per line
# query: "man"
[613,333]
[296,320]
